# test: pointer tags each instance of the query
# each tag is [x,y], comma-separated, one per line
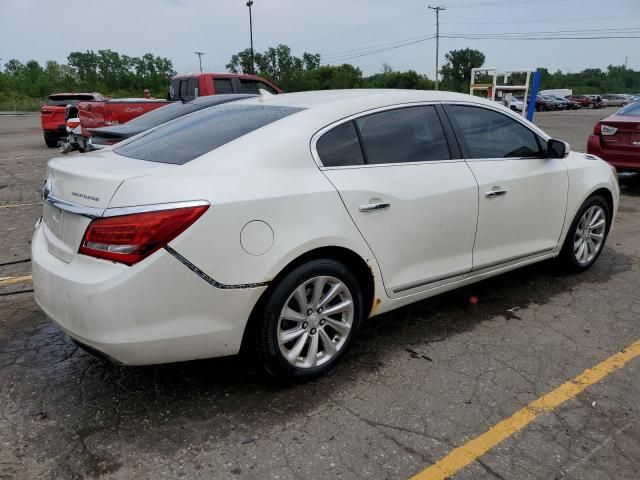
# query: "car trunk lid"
[79,188]
[627,135]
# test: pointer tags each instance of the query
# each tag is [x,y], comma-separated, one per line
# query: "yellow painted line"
[12,280]
[462,456]
[20,205]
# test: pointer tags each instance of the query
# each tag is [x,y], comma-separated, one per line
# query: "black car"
[106,136]
[571,105]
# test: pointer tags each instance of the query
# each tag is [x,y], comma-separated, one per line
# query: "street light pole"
[250,4]
[200,59]
[437,10]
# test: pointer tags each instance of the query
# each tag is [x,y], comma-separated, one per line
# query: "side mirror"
[557,149]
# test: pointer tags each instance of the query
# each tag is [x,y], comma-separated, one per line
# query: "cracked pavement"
[419,381]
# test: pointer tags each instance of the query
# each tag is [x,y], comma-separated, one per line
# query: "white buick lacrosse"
[278,224]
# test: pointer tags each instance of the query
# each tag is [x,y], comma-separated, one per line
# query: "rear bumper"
[157,311]
[623,161]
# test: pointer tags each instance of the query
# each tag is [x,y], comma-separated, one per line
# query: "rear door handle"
[496,193]
[372,207]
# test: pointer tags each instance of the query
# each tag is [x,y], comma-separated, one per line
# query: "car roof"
[356,97]
[222,98]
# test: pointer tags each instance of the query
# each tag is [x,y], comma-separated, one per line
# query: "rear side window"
[631,109]
[412,134]
[340,147]
[489,134]
[222,85]
[190,137]
[192,85]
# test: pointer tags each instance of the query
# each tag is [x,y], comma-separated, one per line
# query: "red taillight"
[130,238]
[597,129]
[110,118]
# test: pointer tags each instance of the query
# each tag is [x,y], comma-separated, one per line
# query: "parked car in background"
[557,103]
[280,225]
[587,101]
[52,114]
[190,85]
[614,100]
[631,99]
[616,139]
[516,104]
[571,105]
[106,136]
[543,104]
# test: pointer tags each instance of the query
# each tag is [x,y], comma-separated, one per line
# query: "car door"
[407,190]
[522,194]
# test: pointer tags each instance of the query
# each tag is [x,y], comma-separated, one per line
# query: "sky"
[365,33]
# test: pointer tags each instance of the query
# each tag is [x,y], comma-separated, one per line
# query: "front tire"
[309,320]
[587,235]
[51,140]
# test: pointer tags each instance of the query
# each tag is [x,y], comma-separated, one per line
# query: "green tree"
[456,73]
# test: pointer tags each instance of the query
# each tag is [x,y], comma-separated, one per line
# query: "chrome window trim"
[496,108]
[94,212]
[396,106]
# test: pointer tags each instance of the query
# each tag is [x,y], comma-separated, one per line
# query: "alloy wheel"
[589,235]
[315,322]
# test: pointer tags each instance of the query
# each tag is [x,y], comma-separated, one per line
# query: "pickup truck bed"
[114,112]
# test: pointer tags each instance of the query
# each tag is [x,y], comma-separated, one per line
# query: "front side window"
[488,134]
[340,147]
[192,85]
[412,134]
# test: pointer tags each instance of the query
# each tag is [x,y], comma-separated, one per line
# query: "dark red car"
[616,139]
[587,101]
[187,86]
[52,114]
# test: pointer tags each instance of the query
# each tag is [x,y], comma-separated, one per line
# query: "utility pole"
[200,59]
[250,4]
[437,10]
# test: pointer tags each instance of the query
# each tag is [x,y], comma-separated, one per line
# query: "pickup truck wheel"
[51,140]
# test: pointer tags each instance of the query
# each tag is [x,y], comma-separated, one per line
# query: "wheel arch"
[358,265]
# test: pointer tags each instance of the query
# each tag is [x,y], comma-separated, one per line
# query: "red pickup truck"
[52,114]
[113,112]
[183,87]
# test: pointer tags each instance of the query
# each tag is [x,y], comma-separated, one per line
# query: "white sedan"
[278,224]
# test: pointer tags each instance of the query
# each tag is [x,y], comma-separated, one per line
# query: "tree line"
[118,75]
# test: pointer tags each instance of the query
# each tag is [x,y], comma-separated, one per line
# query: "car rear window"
[64,100]
[631,109]
[189,137]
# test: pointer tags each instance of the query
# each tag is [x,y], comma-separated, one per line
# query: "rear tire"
[51,139]
[587,235]
[297,339]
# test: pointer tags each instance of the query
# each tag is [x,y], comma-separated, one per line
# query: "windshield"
[189,137]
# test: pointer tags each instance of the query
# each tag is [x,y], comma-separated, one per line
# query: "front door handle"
[499,192]
[372,207]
